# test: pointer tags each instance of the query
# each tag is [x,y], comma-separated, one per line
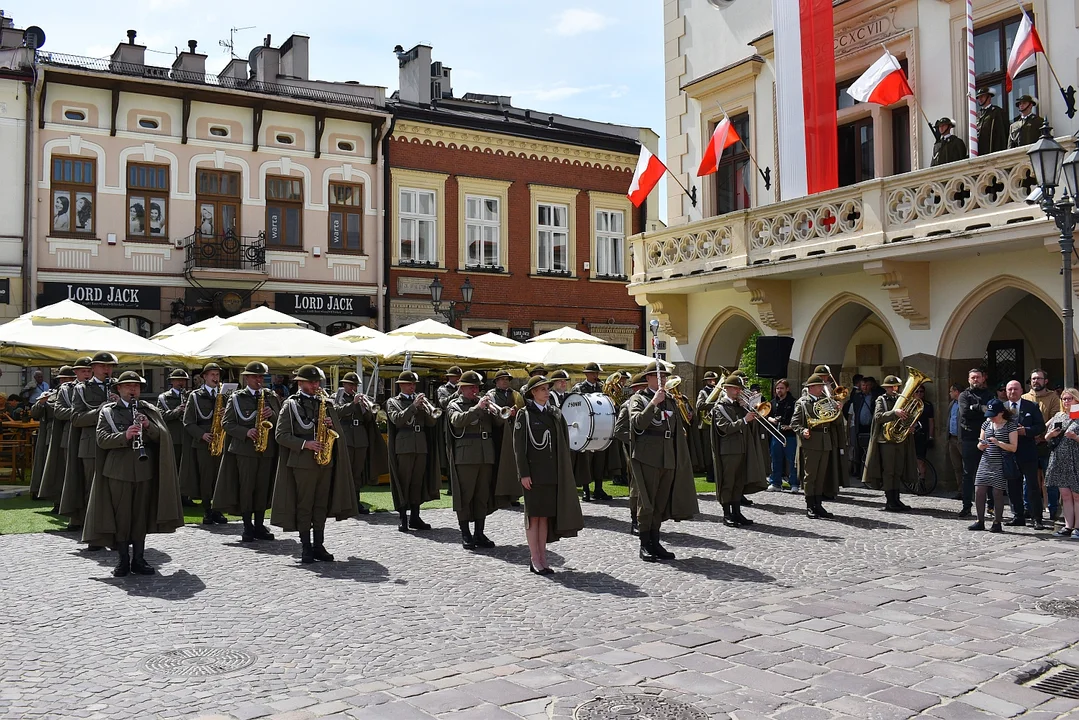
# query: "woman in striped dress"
[1000,434]
[1063,470]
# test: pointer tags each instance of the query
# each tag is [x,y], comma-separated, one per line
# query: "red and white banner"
[883,83]
[645,177]
[1025,49]
[805,96]
[722,138]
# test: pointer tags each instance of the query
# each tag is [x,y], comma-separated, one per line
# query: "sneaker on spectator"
[773,488]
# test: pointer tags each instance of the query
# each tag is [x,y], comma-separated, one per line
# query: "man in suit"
[172,407]
[415,470]
[972,402]
[199,468]
[992,123]
[819,459]
[1028,416]
[471,450]
[1027,127]
[948,148]
[366,448]
[591,467]
[86,402]
[245,479]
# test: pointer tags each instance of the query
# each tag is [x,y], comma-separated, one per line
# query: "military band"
[204,443]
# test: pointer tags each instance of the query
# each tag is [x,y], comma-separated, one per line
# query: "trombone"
[837,391]
[752,403]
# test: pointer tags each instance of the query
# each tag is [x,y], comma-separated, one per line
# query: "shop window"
[74,195]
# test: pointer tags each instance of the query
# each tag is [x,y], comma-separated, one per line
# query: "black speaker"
[773,355]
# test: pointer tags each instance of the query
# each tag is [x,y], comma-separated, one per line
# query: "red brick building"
[530,208]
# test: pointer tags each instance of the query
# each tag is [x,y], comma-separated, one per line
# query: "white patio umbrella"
[572,349]
[361,332]
[433,345]
[264,334]
[496,340]
[59,333]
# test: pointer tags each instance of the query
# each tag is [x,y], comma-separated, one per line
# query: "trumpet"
[502,412]
[430,409]
[368,404]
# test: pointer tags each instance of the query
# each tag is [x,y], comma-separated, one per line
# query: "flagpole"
[917,104]
[766,175]
[972,103]
[692,196]
[1069,101]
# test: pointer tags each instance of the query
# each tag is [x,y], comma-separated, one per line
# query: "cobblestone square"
[870,615]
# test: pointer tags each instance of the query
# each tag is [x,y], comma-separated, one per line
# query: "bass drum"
[590,418]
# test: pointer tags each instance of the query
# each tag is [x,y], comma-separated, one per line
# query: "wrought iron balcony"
[225,252]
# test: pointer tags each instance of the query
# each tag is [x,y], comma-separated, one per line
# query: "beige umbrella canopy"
[496,340]
[572,349]
[433,345]
[59,333]
[359,333]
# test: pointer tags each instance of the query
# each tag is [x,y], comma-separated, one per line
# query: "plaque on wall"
[868,355]
[520,334]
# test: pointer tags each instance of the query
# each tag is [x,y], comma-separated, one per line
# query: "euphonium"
[612,388]
[898,430]
[262,439]
[713,397]
[217,428]
[324,434]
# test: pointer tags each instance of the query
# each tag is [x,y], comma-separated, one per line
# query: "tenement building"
[530,208]
[904,264]
[166,194]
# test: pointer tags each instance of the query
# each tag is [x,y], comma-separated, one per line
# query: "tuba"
[898,430]
[323,434]
[612,388]
[262,439]
[217,428]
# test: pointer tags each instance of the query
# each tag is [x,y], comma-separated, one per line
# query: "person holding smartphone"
[999,434]
[1062,436]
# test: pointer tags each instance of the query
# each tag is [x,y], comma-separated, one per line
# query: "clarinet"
[137,443]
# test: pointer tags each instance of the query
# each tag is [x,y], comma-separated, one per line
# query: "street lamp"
[1049,161]
[451,313]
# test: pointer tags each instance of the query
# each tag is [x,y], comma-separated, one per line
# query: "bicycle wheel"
[928,484]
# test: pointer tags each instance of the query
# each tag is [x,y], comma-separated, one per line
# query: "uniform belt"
[481,435]
[657,433]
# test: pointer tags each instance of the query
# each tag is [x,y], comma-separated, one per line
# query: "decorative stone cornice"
[772,298]
[510,146]
[672,311]
[907,284]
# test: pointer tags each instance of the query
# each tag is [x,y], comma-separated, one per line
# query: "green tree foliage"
[748,363]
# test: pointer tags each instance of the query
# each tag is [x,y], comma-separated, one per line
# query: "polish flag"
[645,177]
[722,138]
[884,83]
[1025,49]
[1073,412]
[805,96]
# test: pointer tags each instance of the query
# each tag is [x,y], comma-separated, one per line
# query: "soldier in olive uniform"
[590,467]
[948,148]
[559,387]
[703,409]
[818,449]
[44,412]
[135,490]
[544,471]
[246,477]
[415,471]
[199,468]
[660,464]
[622,439]
[306,493]
[86,401]
[471,450]
[446,392]
[172,405]
[888,464]
[505,396]
[366,448]
[56,464]
[1027,128]
[737,453]
[992,123]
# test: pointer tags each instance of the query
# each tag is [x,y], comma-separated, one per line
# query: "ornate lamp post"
[1049,161]
[452,312]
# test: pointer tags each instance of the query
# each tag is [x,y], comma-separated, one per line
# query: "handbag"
[1010,466]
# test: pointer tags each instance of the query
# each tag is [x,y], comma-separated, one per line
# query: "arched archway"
[853,337]
[725,338]
[1007,325]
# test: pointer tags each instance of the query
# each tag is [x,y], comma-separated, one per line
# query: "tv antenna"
[229,45]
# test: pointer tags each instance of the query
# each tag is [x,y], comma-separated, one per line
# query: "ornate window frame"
[419,180]
[499,189]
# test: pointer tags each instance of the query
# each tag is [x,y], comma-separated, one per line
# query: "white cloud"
[576,21]
[557,92]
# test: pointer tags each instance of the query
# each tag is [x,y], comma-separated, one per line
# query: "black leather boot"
[307,553]
[647,553]
[739,517]
[139,565]
[728,515]
[319,550]
[903,507]
[261,531]
[248,535]
[661,552]
[361,508]
[467,540]
[811,507]
[587,493]
[634,526]
[745,501]
[821,511]
[123,567]
[414,520]
[600,493]
[482,540]
[219,517]
[403,526]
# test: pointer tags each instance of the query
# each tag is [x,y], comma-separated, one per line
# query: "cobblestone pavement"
[870,615]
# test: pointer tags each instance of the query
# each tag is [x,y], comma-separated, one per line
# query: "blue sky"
[601,60]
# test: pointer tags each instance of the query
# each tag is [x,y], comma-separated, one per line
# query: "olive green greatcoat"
[948,149]
[1025,130]
[703,409]
[882,453]
[227,496]
[52,476]
[42,412]
[86,400]
[470,440]
[363,439]
[819,457]
[401,420]
[992,129]
[738,457]
[651,454]
[198,468]
[166,511]
[172,411]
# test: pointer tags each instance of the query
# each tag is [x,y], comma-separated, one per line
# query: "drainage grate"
[638,707]
[1062,608]
[197,662]
[1060,680]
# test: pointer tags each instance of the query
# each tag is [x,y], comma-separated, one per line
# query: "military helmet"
[309,373]
[559,375]
[351,377]
[179,374]
[255,368]
[533,383]
[470,378]
[104,358]
[65,372]
[210,366]
[129,377]
[407,376]
[593,367]
[83,362]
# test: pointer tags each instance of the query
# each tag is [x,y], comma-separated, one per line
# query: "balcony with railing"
[208,256]
[975,195]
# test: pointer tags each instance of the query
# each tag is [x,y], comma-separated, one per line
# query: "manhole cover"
[637,707]
[197,662]
[1063,608]
[1060,680]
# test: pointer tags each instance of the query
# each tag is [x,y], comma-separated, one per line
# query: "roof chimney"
[128,57]
[294,57]
[415,75]
[235,73]
[189,66]
[265,63]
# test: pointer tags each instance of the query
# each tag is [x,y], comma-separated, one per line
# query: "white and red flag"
[805,96]
[1025,49]
[722,138]
[884,83]
[645,177]
[1073,412]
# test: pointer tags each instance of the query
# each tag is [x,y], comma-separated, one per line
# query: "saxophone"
[897,431]
[262,439]
[324,434]
[217,429]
